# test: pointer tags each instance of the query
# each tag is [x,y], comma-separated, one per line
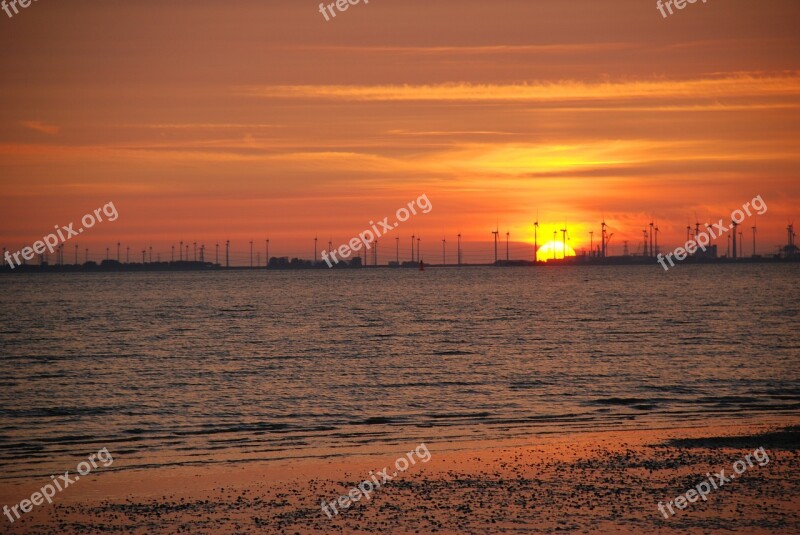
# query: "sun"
[547,251]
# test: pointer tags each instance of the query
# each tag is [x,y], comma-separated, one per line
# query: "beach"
[609,482]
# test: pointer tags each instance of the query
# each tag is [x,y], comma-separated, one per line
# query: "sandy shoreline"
[592,482]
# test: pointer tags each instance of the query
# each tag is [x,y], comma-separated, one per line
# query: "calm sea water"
[168,368]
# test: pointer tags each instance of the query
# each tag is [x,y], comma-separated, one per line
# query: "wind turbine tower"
[656,250]
[603,238]
[496,233]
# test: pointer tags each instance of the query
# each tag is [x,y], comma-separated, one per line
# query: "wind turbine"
[495,233]
[656,251]
[536,237]
[696,227]
[603,238]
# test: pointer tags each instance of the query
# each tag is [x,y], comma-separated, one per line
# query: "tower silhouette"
[495,233]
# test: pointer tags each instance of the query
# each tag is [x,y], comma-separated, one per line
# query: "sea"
[197,368]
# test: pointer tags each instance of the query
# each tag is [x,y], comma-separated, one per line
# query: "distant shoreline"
[110,266]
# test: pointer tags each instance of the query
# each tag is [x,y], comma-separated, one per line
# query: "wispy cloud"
[39,126]
[200,126]
[745,85]
[530,49]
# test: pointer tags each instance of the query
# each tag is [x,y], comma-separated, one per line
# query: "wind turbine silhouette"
[496,233]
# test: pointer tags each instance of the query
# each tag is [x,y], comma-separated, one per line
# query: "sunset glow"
[299,127]
[553,249]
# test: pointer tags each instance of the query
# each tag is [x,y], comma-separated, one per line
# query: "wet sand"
[607,482]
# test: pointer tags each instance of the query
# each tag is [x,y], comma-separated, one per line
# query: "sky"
[246,120]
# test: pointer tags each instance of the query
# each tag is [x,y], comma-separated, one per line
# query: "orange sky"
[245,120]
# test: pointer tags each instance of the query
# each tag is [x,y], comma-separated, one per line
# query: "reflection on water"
[199,367]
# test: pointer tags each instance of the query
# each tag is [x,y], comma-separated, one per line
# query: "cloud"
[39,126]
[741,85]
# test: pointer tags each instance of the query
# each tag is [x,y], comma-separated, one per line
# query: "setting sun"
[553,249]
